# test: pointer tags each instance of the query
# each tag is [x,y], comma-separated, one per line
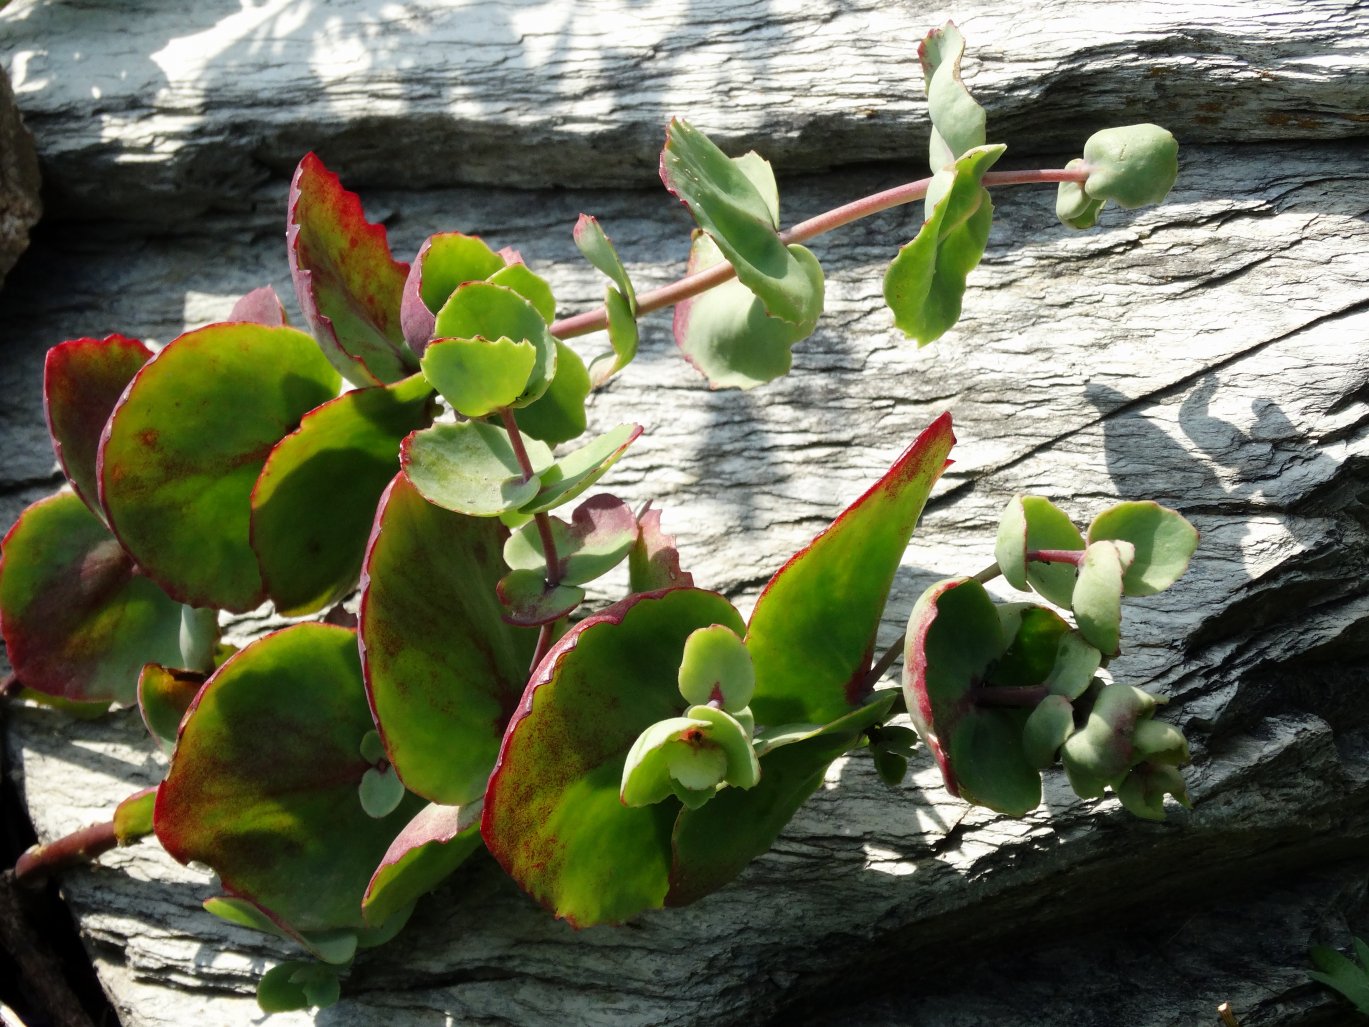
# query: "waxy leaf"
[349,286]
[736,215]
[1097,597]
[532,287]
[313,504]
[1031,523]
[1046,730]
[727,335]
[164,695]
[183,449]
[78,621]
[1131,165]
[445,262]
[553,818]
[82,380]
[429,849]
[559,414]
[594,243]
[1103,749]
[1163,540]
[481,310]
[263,784]
[471,468]
[925,283]
[812,634]
[957,121]
[296,985]
[479,376]
[380,791]
[601,532]
[1142,792]
[443,670]
[654,562]
[622,336]
[717,666]
[133,817]
[529,599]
[1074,207]
[575,472]
[336,946]
[260,306]
[955,634]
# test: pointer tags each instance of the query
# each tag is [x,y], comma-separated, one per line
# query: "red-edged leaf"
[348,284]
[444,262]
[82,380]
[654,561]
[443,670]
[437,841]
[812,633]
[78,622]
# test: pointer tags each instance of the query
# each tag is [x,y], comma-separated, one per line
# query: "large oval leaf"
[263,783]
[78,621]
[185,445]
[349,286]
[553,817]
[813,629]
[443,670]
[428,851]
[82,380]
[315,499]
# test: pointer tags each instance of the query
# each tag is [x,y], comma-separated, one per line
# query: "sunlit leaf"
[594,243]
[429,849]
[471,468]
[481,310]
[260,306]
[348,285]
[532,287]
[957,121]
[601,532]
[164,695]
[445,261]
[479,376]
[1163,540]
[559,414]
[575,472]
[654,561]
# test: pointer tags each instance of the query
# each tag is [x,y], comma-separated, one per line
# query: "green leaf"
[380,791]
[532,287]
[348,285]
[1102,749]
[622,336]
[601,532]
[133,817]
[297,985]
[164,695]
[1097,598]
[925,283]
[955,634]
[559,415]
[669,754]
[592,241]
[530,600]
[1074,207]
[575,472]
[428,851]
[82,381]
[263,784]
[1034,636]
[713,844]
[1132,165]
[1032,523]
[957,121]
[654,561]
[443,670]
[315,498]
[727,335]
[553,818]
[184,447]
[1046,729]
[1075,664]
[479,376]
[1346,976]
[471,468]
[717,665]
[480,310]
[728,206]
[812,634]
[78,622]
[1142,792]
[1164,542]
[445,261]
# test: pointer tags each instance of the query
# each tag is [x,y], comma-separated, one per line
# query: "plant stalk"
[543,522]
[702,281]
[78,847]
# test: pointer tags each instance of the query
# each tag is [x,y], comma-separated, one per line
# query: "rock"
[20,205]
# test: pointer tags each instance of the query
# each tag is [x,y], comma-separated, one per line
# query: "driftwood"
[1210,353]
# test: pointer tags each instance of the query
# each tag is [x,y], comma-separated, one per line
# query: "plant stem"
[1074,557]
[702,281]
[78,847]
[1021,696]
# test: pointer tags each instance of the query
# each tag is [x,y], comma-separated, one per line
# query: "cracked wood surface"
[1210,353]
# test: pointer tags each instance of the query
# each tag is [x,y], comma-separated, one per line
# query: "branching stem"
[543,522]
[78,847]
[702,281]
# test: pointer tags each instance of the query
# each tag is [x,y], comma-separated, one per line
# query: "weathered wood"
[1210,353]
[158,112]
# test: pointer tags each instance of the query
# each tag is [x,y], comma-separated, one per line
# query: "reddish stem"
[1024,696]
[1073,557]
[701,281]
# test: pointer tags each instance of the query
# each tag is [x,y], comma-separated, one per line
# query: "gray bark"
[1209,353]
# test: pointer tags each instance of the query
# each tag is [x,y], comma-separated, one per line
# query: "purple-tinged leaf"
[553,818]
[262,787]
[530,600]
[812,633]
[443,670]
[601,532]
[164,694]
[654,562]
[429,849]
[445,262]
[570,475]
[348,284]
[260,306]
[313,504]
[82,381]
[78,621]
[181,454]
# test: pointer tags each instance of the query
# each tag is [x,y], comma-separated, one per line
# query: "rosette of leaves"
[554,815]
